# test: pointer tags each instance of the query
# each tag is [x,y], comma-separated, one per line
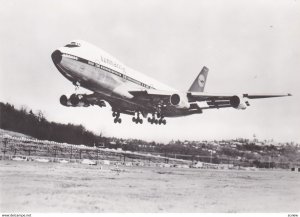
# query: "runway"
[54,187]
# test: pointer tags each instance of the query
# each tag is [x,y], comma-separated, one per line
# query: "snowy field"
[53,187]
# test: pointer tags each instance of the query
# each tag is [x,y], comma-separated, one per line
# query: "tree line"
[37,126]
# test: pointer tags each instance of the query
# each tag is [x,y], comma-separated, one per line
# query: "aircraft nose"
[56,56]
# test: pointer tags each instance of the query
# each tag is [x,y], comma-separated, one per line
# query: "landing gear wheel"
[116,114]
[117,120]
[137,119]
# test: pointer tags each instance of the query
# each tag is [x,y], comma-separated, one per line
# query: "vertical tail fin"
[199,83]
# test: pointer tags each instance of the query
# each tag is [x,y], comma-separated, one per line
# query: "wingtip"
[289,94]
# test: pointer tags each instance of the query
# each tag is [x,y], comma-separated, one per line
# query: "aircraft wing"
[198,96]
[227,100]
[200,100]
[139,93]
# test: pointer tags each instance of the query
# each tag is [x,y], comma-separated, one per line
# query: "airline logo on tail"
[199,83]
[201,80]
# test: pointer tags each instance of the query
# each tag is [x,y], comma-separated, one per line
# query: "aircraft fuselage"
[133,93]
[87,66]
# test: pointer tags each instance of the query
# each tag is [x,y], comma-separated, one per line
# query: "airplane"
[132,93]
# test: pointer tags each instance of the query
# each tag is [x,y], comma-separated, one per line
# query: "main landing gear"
[117,118]
[156,118]
[159,120]
[137,119]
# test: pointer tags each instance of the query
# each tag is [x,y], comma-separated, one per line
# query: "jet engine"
[65,101]
[238,103]
[74,100]
[179,101]
[81,100]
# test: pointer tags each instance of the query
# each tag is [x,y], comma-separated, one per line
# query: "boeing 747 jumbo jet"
[130,92]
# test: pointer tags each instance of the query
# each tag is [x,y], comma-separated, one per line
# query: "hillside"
[24,123]
[14,134]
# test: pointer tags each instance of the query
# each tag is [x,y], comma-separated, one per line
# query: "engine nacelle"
[238,103]
[65,101]
[101,103]
[74,100]
[179,101]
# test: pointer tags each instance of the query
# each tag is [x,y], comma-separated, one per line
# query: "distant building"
[259,143]
[233,145]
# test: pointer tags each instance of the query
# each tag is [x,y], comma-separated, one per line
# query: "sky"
[250,46]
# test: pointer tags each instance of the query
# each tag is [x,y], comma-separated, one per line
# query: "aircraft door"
[124,77]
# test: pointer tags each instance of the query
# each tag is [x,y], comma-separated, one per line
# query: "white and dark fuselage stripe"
[107,69]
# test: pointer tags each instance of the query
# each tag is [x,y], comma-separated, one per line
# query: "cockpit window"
[73,44]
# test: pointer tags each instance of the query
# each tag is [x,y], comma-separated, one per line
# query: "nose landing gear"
[76,84]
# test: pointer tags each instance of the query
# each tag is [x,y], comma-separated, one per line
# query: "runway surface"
[53,187]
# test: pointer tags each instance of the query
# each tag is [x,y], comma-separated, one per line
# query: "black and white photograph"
[149,106]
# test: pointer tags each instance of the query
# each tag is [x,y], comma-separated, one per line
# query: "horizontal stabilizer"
[261,96]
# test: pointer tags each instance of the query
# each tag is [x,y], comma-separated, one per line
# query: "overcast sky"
[249,46]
